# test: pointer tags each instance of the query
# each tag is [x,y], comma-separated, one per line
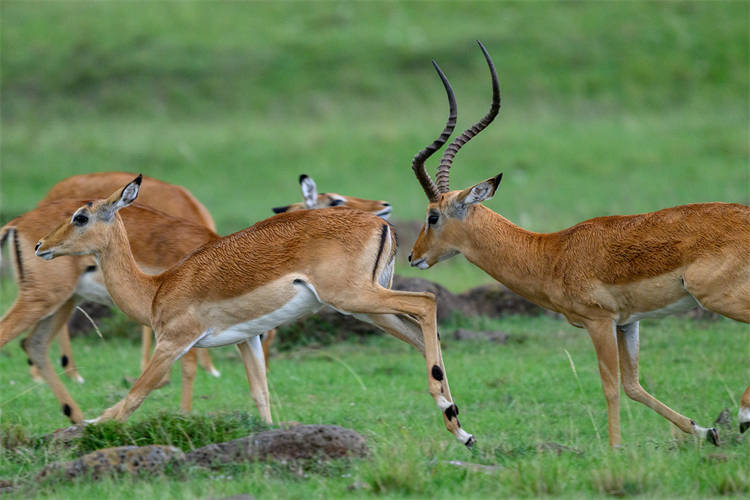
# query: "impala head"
[447,211]
[313,199]
[87,231]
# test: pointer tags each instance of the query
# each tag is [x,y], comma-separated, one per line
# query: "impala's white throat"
[303,303]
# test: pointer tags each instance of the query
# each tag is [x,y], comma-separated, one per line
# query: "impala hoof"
[214,372]
[470,442]
[713,436]
[744,426]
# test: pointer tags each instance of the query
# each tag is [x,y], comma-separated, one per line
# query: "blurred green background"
[615,107]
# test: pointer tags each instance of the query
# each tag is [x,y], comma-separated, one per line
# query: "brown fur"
[601,272]
[245,276]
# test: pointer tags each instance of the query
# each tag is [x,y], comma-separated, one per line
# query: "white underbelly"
[305,302]
[684,304]
[90,288]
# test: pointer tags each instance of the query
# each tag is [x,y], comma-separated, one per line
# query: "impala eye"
[336,203]
[80,219]
[432,219]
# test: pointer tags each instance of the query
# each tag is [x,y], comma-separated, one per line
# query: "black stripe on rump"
[383,234]
[18,255]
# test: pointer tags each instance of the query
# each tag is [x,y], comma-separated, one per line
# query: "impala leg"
[267,340]
[146,338]
[66,355]
[602,334]
[252,356]
[20,317]
[189,365]
[36,346]
[204,359]
[629,346]
[745,410]
[165,354]
[422,307]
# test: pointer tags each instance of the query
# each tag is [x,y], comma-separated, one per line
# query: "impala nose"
[410,256]
[38,244]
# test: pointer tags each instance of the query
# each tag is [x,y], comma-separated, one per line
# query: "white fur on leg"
[744,414]
[463,436]
[443,403]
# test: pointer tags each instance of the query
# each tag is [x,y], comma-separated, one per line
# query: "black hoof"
[744,426]
[713,436]
[470,442]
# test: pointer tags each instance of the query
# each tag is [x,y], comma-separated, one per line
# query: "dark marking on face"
[89,269]
[19,262]
[64,361]
[67,410]
[437,373]
[383,234]
[450,412]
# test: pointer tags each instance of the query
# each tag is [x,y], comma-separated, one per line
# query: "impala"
[233,289]
[311,200]
[48,291]
[604,274]
[169,198]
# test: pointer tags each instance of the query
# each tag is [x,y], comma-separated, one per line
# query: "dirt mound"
[122,459]
[299,442]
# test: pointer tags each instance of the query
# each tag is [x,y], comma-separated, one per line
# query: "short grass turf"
[540,388]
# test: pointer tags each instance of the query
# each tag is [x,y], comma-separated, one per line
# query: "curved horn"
[443,172]
[417,164]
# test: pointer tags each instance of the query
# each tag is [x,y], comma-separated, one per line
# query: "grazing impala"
[48,291]
[604,274]
[169,198]
[311,200]
[233,289]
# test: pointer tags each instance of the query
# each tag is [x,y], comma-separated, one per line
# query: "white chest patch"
[305,302]
[91,287]
[684,304]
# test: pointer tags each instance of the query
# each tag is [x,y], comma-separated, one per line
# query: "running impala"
[604,274]
[237,287]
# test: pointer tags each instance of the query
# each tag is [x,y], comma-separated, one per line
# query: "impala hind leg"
[66,355]
[188,365]
[422,307]
[745,410]
[267,341]
[605,344]
[37,345]
[204,359]
[628,343]
[255,368]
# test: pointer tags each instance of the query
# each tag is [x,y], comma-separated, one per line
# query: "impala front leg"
[745,410]
[165,354]
[602,333]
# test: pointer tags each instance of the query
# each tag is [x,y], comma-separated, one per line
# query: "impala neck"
[508,253]
[131,289]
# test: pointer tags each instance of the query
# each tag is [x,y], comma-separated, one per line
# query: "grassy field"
[611,107]
[607,107]
[513,397]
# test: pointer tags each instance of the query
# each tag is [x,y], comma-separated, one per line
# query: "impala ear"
[480,192]
[122,198]
[309,191]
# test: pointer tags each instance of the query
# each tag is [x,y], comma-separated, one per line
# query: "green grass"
[607,107]
[513,397]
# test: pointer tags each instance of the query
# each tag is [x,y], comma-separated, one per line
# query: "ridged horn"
[443,172]
[417,164]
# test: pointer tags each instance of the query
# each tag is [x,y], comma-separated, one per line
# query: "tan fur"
[601,272]
[161,242]
[169,198]
[327,200]
[246,275]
